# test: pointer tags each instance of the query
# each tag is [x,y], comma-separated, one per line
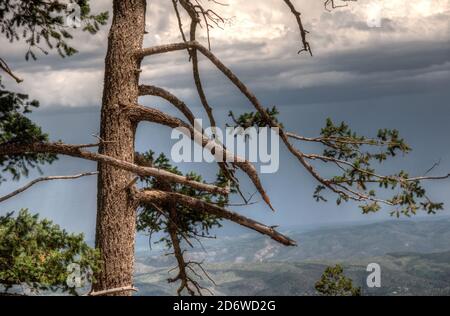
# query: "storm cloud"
[383,63]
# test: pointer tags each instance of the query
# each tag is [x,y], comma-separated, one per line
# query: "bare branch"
[194,12]
[182,107]
[429,178]
[180,24]
[41,179]
[141,113]
[303,32]
[113,291]
[331,4]
[4,66]
[171,98]
[178,253]
[190,9]
[342,140]
[76,151]
[250,96]
[160,49]
[156,196]
[432,167]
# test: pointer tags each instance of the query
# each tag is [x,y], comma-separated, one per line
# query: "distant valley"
[414,256]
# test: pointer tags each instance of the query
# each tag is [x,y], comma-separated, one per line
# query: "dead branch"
[303,32]
[331,4]
[195,20]
[180,24]
[4,66]
[195,12]
[186,281]
[250,96]
[76,151]
[253,100]
[141,113]
[182,107]
[157,196]
[171,98]
[113,291]
[42,179]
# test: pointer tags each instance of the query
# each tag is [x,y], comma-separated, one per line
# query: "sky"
[376,64]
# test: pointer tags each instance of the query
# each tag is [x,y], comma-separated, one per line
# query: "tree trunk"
[116,215]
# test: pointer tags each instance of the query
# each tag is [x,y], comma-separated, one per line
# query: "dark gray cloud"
[397,68]
[396,75]
[260,45]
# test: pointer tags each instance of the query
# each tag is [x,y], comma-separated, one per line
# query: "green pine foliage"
[44,21]
[357,159]
[333,282]
[361,160]
[254,119]
[37,253]
[16,128]
[190,222]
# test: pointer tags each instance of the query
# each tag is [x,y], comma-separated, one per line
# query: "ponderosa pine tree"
[183,206]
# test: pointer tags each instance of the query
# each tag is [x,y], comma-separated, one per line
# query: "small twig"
[432,167]
[330,3]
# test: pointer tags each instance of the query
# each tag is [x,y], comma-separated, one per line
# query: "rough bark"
[116,215]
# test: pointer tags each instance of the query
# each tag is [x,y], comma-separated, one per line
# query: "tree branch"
[156,196]
[182,107]
[180,24]
[4,66]
[340,189]
[140,113]
[76,151]
[41,179]
[303,32]
[178,253]
[194,12]
[113,291]
[330,3]
[249,95]
[190,9]
[171,98]
[160,49]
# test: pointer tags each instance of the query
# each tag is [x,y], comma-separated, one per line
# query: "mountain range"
[414,256]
